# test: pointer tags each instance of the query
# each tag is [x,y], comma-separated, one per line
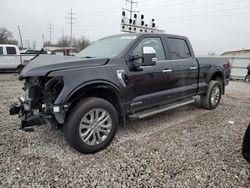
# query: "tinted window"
[11,50]
[1,50]
[150,42]
[178,49]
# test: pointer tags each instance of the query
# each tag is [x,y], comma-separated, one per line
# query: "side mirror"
[148,56]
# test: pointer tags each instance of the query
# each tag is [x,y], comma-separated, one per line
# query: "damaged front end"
[36,105]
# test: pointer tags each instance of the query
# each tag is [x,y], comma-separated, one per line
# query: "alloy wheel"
[95,126]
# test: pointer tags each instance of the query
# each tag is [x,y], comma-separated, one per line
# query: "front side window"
[1,50]
[150,42]
[178,49]
[11,50]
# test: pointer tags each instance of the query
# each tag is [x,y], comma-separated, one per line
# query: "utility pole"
[43,39]
[62,34]
[50,28]
[131,2]
[71,18]
[21,40]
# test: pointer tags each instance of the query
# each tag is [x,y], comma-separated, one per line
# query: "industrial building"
[245,52]
[239,60]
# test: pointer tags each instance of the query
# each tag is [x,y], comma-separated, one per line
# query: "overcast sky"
[211,25]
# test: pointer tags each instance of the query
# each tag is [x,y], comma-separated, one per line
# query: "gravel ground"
[185,147]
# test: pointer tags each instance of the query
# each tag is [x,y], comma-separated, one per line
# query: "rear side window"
[178,49]
[11,50]
[1,50]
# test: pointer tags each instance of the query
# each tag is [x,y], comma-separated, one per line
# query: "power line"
[210,17]
[213,13]
[71,18]
[193,7]
[46,14]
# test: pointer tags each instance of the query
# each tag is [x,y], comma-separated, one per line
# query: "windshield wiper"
[37,54]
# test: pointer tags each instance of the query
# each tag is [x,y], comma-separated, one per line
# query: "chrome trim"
[167,70]
[120,74]
[136,103]
[193,68]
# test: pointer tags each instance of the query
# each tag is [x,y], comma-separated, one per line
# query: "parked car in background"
[11,60]
[34,52]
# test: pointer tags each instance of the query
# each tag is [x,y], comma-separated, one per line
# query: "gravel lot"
[185,147]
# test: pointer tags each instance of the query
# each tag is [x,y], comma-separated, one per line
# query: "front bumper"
[28,119]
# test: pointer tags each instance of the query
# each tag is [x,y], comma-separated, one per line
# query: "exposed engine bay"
[35,106]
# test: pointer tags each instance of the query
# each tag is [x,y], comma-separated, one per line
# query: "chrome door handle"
[166,70]
[193,68]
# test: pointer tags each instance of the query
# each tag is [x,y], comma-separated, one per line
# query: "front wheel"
[212,98]
[91,125]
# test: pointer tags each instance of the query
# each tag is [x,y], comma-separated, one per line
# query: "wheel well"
[104,92]
[219,77]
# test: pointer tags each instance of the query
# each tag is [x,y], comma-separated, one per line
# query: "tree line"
[6,37]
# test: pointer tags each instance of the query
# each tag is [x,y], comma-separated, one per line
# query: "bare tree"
[81,43]
[6,37]
[64,42]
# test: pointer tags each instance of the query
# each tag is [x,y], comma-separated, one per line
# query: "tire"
[212,98]
[246,144]
[19,69]
[83,122]
[247,78]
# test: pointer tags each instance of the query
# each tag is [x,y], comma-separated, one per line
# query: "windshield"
[107,47]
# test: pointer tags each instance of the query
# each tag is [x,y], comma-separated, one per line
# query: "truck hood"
[44,64]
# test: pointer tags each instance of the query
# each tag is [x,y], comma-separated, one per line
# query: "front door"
[151,85]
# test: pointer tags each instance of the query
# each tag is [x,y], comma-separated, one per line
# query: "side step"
[160,109]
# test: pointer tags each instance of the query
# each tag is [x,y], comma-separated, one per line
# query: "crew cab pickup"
[117,79]
[11,60]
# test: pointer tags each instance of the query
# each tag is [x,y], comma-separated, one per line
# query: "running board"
[157,110]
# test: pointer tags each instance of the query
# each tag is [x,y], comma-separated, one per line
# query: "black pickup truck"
[117,79]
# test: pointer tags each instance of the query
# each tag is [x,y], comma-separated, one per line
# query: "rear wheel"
[91,125]
[212,98]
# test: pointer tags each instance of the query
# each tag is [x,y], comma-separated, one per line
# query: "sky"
[211,25]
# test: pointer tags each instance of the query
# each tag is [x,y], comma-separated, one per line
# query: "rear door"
[185,68]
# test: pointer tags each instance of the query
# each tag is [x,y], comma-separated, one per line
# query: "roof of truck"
[143,33]
[9,45]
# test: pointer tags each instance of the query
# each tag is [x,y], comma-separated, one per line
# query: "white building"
[237,53]
[239,60]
